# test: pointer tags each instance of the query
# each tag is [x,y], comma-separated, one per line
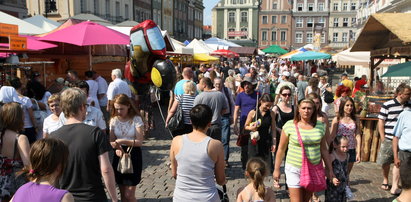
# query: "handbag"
[125,165]
[312,177]
[242,139]
[222,193]
[176,122]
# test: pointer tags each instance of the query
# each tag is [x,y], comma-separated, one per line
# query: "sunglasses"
[286,94]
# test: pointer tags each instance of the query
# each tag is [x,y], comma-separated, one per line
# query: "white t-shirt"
[50,125]
[94,117]
[102,89]
[126,130]
[92,92]
[116,87]
[26,104]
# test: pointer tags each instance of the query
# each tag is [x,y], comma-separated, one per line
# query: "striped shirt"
[389,112]
[311,139]
[187,102]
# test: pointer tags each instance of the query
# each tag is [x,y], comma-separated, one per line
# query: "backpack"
[328,97]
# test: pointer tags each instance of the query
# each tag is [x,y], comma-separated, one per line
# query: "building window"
[345,22]
[323,37]
[240,1]
[345,6]
[244,17]
[335,37]
[83,6]
[321,7]
[265,19]
[298,37]
[335,6]
[233,1]
[353,21]
[309,37]
[283,19]
[117,8]
[299,22]
[353,6]
[244,29]
[107,7]
[310,7]
[273,36]
[126,12]
[345,37]
[264,35]
[321,21]
[335,22]
[274,19]
[299,7]
[231,30]
[274,6]
[310,22]
[231,17]
[283,35]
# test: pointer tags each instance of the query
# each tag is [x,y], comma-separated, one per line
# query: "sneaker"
[348,193]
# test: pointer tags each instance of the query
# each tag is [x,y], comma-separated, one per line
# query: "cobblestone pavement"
[157,183]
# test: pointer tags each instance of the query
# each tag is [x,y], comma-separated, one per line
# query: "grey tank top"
[195,173]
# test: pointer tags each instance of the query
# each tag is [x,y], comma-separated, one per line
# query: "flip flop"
[385,187]
[396,193]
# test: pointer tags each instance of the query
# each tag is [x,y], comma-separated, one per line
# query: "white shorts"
[292,175]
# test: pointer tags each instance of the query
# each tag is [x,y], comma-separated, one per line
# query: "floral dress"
[337,193]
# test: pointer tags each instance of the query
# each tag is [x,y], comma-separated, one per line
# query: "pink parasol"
[33,44]
[86,34]
[225,53]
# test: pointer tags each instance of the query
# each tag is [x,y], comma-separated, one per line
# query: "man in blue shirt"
[402,141]
[187,76]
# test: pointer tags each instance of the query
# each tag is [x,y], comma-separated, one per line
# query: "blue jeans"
[225,135]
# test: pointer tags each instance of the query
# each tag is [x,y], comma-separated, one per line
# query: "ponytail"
[259,183]
[257,170]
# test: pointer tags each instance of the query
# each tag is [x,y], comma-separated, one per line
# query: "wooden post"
[372,68]
[374,144]
[366,140]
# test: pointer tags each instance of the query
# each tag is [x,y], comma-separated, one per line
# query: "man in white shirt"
[117,86]
[93,88]
[101,94]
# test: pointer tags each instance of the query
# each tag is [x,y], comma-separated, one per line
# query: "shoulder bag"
[312,177]
[176,122]
[125,164]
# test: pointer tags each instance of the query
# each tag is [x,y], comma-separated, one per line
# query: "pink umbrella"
[86,34]
[225,53]
[32,44]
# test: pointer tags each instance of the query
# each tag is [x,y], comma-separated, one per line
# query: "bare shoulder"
[68,197]
[215,144]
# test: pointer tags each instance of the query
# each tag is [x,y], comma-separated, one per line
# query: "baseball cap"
[287,74]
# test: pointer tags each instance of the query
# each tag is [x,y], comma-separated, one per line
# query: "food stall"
[386,36]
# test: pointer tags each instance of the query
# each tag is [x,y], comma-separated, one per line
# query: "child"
[336,186]
[48,158]
[255,172]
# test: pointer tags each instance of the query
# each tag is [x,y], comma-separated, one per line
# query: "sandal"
[396,193]
[385,187]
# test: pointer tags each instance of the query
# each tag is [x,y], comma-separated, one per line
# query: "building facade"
[142,10]
[275,25]
[167,16]
[180,31]
[369,7]
[156,9]
[342,23]
[310,23]
[16,8]
[198,19]
[113,11]
[237,21]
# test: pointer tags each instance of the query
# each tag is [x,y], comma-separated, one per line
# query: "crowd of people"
[78,137]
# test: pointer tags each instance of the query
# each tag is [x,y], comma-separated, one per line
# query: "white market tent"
[25,28]
[199,46]
[217,43]
[180,48]
[358,58]
[42,22]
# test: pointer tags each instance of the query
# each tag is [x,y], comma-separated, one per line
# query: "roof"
[89,17]
[242,51]
[383,30]
[24,27]
[128,23]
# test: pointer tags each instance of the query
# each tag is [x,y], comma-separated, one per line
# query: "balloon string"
[161,111]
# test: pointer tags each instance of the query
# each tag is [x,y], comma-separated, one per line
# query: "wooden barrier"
[370,139]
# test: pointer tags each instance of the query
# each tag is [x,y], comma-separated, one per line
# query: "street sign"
[237,33]
[7,30]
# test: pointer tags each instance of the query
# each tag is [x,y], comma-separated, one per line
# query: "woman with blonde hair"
[187,102]
[126,135]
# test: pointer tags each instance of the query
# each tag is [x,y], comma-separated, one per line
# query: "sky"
[208,4]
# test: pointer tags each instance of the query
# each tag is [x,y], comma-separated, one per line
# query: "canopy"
[294,52]
[32,44]
[87,33]
[310,55]
[275,49]
[89,17]
[180,48]
[202,57]
[225,53]
[217,43]
[128,23]
[42,22]
[358,58]
[186,42]
[244,51]
[24,27]
[199,47]
[399,70]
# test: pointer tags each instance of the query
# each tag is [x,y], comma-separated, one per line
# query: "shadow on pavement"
[156,199]
[380,199]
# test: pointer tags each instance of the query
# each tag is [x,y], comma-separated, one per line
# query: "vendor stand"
[386,36]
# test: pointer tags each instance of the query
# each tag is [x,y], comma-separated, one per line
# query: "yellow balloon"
[156,77]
